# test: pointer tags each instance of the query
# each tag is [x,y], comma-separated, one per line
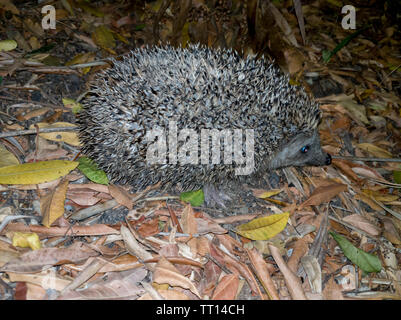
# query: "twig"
[34,131]
[8,219]
[366,159]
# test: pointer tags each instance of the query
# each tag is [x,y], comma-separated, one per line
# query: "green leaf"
[139,27]
[90,169]
[328,54]
[195,198]
[397,176]
[364,260]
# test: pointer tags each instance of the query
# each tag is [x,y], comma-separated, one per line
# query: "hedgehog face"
[302,150]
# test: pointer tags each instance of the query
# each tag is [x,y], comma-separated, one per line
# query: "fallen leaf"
[265,227]
[37,172]
[26,240]
[165,272]
[366,261]
[7,158]
[69,137]
[226,288]
[52,204]
[362,223]
[34,261]
[324,194]
[121,195]
[375,150]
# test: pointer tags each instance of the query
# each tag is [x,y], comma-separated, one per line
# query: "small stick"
[34,131]
[366,159]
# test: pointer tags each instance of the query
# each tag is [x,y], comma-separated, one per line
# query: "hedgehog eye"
[305,149]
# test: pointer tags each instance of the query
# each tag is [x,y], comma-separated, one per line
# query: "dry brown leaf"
[46,279]
[121,195]
[83,197]
[205,225]
[300,248]
[263,274]
[33,114]
[390,232]
[33,292]
[324,194]
[367,172]
[121,263]
[52,204]
[133,245]
[227,288]
[203,246]
[332,290]
[91,186]
[165,272]
[96,229]
[34,261]
[362,223]
[343,165]
[237,266]
[188,223]
[294,285]
[149,227]
[117,285]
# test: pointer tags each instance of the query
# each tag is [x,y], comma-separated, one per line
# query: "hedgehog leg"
[214,196]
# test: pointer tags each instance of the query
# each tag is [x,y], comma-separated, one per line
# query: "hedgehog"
[191,118]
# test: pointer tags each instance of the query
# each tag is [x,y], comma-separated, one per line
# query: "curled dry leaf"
[52,204]
[133,245]
[117,285]
[121,195]
[293,283]
[96,229]
[263,274]
[34,261]
[312,268]
[227,288]
[324,194]
[362,223]
[165,272]
[188,223]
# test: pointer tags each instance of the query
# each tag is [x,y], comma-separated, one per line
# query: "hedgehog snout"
[328,159]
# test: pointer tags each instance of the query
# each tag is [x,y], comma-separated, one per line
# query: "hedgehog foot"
[215,197]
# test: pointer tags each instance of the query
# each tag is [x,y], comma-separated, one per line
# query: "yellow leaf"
[374,150]
[65,136]
[163,286]
[7,158]
[264,228]
[7,45]
[378,196]
[52,204]
[104,37]
[80,59]
[26,240]
[267,194]
[37,172]
[72,104]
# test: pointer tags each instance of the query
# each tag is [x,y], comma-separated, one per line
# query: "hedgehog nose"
[328,159]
